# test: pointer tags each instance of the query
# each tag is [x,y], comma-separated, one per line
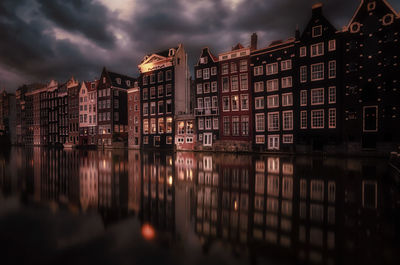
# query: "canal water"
[132,207]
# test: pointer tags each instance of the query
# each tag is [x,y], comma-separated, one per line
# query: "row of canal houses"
[323,89]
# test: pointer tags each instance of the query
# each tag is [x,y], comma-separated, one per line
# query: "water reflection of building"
[134,180]
[88,179]
[158,193]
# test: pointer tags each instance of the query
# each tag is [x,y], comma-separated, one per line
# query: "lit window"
[235,103]
[260,139]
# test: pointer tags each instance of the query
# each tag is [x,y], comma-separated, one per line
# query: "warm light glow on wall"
[170,180]
[148,232]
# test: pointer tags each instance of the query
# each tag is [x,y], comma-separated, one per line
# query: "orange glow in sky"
[148,232]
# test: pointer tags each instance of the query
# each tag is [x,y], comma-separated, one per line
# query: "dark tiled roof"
[165,53]
[114,76]
[237,47]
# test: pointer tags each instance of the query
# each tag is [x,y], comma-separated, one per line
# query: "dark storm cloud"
[44,39]
[80,16]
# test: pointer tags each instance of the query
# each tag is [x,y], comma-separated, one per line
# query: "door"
[273,142]
[207,139]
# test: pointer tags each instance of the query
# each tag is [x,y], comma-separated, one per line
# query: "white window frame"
[273,147]
[275,101]
[273,70]
[287,99]
[199,73]
[272,85]
[275,114]
[303,97]
[262,117]
[317,49]
[332,45]
[332,68]
[313,31]
[287,82]
[259,86]
[312,119]
[258,70]
[242,106]
[313,72]
[286,65]
[257,104]
[303,74]
[228,107]
[287,136]
[290,128]
[303,51]
[303,118]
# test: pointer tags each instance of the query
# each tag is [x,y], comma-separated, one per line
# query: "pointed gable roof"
[206,52]
[317,18]
[119,80]
[383,5]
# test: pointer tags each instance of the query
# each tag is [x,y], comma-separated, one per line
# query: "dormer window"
[387,19]
[317,31]
[371,6]
[203,60]
[128,83]
[118,81]
[93,85]
[171,52]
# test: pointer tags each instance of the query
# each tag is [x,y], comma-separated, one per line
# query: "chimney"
[317,9]
[253,45]
[297,33]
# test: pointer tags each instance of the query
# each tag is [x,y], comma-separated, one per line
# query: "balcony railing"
[206,111]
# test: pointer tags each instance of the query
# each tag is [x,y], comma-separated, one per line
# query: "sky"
[42,40]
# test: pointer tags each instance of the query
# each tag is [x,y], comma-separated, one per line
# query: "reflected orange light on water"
[148,232]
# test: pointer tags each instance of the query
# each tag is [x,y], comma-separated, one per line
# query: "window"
[225,69]
[317,119]
[152,108]
[168,75]
[273,144]
[317,96]
[303,74]
[206,73]
[245,125]
[169,125]
[273,121]
[161,107]
[206,87]
[332,118]
[243,66]
[233,67]
[189,127]
[152,92]
[200,103]
[272,68]
[303,119]
[303,98]
[213,70]
[227,129]
[145,109]
[160,77]
[244,102]
[161,126]
[225,104]
[225,84]
[168,89]
[234,83]
[317,72]
[371,6]
[235,126]
[215,102]
[235,103]
[287,120]
[287,82]
[332,45]
[332,69]
[287,99]
[243,82]
[332,95]
[160,91]
[152,79]
[199,89]
[286,65]
[201,124]
[215,123]
[207,103]
[145,93]
[317,49]
[258,70]
[272,85]
[169,106]
[260,139]
[303,51]
[199,73]
[287,138]
[214,86]
[259,103]
[260,122]
[145,126]
[259,86]
[273,101]
[316,31]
